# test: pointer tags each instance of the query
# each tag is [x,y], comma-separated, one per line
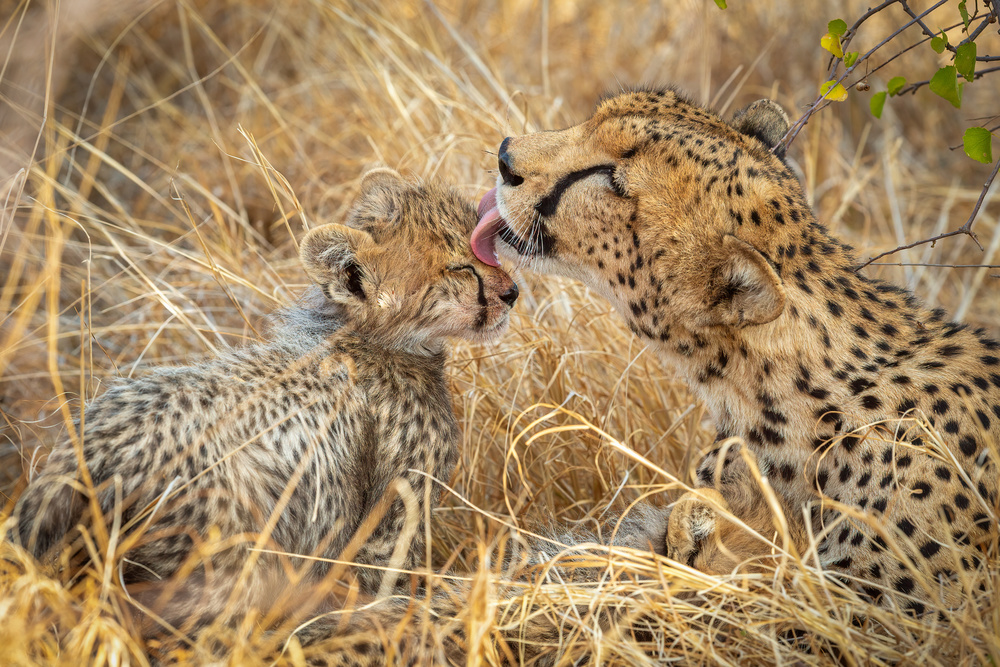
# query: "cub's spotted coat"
[701,237]
[293,444]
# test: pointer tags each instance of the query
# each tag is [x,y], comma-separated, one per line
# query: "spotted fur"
[702,239]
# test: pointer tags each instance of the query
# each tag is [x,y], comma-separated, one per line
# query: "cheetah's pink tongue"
[484,236]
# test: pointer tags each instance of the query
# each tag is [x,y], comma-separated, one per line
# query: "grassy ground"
[187,144]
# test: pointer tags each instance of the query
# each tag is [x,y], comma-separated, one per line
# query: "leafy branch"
[849,68]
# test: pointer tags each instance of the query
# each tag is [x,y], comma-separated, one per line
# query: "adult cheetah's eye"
[616,187]
[548,204]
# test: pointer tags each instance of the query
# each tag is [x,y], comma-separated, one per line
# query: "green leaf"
[978,144]
[965,14]
[721,4]
[896,84]
[831,43]
[965,60]
[837,27]
[831,90]
[877,103]
[850,58]
[939,42]
[945,83]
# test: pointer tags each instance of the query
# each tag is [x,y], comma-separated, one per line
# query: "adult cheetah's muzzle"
[503,163]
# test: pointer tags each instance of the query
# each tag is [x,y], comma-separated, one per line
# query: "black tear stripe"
[479,279]
[483,303]
[482,289]
[546,243]
[484,313]
[548,205]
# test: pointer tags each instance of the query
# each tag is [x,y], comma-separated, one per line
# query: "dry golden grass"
[185,148]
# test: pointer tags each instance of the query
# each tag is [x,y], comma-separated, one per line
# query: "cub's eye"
[462,268]
[458,268]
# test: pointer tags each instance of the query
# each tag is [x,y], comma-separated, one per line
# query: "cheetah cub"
[325,437]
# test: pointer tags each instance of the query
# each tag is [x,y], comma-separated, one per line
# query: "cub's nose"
[510,296]
[503,163]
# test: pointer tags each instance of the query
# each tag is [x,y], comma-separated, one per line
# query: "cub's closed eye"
[462,267]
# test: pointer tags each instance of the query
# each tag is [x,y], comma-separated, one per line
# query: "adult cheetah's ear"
[743,289]
[334,258]
[764,120]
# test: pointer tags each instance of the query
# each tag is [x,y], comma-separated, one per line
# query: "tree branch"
[917,85]
[823,101]
[853,30]
[972,36]
[939,266]
[964,229]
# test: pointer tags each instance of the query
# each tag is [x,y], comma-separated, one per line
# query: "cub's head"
[654,202]
[401,267]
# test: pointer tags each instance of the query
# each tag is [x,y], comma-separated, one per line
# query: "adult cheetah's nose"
[503,161]
[510,296]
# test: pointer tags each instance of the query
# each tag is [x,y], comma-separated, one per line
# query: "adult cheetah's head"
[401,268]
[653,203]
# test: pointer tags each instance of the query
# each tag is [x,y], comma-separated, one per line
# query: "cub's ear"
[765,120]
[331,257]
[378,196]
[743,288]
[380,177]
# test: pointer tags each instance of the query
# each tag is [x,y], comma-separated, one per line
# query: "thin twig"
[916,85]
[941,266]
[967,227]
[964,229]
[853,31]
[930,33]
[911,245]
[979,29]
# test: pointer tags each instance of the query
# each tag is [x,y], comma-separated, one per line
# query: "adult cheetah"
[700,236]
[320,441]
